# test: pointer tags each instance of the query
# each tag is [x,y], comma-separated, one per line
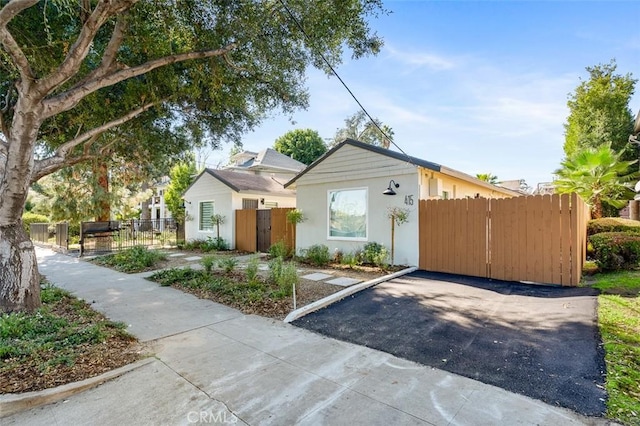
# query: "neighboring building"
[545,188]
[342,196]
[225,191]
[267,162]
[157,205]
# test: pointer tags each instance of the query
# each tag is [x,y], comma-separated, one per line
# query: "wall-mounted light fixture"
[390,190]
[262,201]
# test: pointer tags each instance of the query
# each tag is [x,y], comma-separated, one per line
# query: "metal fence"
[104,237]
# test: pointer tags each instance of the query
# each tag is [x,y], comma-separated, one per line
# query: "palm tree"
[488,177]
[598,176]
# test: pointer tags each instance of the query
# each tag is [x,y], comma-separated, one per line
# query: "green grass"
[134,259]
[619,322]
[50,338]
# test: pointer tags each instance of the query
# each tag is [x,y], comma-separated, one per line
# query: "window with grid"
[206,211]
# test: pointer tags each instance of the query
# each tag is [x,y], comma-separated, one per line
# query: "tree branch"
[60,158]
[80,48]
[19,59]
[108,62]
[67,100]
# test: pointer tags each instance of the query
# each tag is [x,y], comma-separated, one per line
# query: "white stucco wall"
[349,168]
[226,202]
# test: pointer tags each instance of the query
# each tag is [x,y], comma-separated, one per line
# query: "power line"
[295,20]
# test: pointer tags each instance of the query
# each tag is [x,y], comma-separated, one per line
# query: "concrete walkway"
[216,365]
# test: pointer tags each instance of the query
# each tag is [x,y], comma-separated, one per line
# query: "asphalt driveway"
[538,341]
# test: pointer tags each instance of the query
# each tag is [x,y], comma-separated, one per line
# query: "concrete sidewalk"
[216,365]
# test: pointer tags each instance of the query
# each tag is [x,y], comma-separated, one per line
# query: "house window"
[206,211]
[249,203]
[348,214]
[271,204]
[445,195]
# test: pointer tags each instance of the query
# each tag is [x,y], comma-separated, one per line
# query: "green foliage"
[228,264]
[374,254]
[487,177]
[318,255]
[283,275]
[134,259]
[279,249]
[600,114]
[612,224]
[359,127]
[619,322]
[172,276]
[350,259]
[28,218]
[182,175]
[48,338]
[598,176]
[616,250]
[295,216]
[209,262]
[399,215]
[252,269]
[208,245]
[304,145]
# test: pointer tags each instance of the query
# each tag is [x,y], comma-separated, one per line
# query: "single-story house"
[225,191]
[346,194]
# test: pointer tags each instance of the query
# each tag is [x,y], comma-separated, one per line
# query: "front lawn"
[619,322]
[64,341]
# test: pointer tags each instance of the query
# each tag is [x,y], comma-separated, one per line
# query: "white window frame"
[213,210]
[366,215]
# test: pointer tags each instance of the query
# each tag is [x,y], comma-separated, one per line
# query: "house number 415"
[408,200]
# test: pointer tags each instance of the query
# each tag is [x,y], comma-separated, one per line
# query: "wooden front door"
[264,230]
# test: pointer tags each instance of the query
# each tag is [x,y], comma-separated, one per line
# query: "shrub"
[318,255]
[28,218]
[275,269]
[210,244]
[279,249]
[374,254]
[350,259]
[228,264]
[209,262]
[616,250]
[252,270]
[287,279]
[172,276]
[134,259]
[613,224]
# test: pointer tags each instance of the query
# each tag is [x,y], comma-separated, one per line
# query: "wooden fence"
[540,239]
[247,229]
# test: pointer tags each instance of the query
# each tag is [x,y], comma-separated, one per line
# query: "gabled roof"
[268,159]
[247,182]
[418,162]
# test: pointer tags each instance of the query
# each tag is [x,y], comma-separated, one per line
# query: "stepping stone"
[192,258]
[263,267]
[176,254]
[344,282]
[317,276]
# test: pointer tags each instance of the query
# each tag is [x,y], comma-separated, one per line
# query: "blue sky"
[479,86]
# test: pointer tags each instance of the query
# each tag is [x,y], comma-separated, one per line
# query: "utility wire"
[295,20]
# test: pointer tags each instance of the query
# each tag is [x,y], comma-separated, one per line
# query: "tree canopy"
[487,177]
[304,145]
[359,127]
[599,112]
[182,175]
[599,176]
[211,69]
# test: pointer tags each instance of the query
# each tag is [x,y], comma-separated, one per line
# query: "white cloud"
[415,59]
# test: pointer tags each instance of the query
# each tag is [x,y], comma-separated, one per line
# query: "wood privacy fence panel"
[246,230]
[538,238]
[281,229]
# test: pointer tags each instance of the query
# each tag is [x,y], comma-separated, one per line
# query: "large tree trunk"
[101,172]
[19,277]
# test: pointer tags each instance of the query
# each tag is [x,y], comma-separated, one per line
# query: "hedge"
[28,218]
[616,250]
[613,224]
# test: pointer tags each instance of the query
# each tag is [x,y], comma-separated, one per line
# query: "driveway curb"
[335,297]
[14,403]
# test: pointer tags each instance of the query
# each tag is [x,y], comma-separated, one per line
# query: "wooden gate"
[257,230]
[264,230]
[541,239]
